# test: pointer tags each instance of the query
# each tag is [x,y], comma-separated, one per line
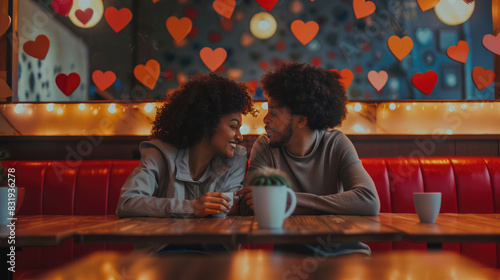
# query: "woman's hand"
[247,198]
[211,203]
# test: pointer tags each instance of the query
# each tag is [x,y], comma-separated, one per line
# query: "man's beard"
[285,137]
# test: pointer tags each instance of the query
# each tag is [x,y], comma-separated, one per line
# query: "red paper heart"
[304,32]
[38,48]
[363,9]
[267,4]
[68,84]
[213,59]
[459,52]
[62,7]
[117,19]
[148,74]
[264,65]
[425,82]
[194,31]
[103,80]
[482,78]
[346,77]
[224,8]
[84,16]
[214,37]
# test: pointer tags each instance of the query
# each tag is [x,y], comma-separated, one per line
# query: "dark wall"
[75,148]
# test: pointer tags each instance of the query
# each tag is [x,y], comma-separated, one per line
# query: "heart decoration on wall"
[224,8]
[427,4]
[117,19]
[5,90]
[62,7]
[246,39]
[179,28]
[424,35]
[84,16]
[346,77]
[425,82]
[459,52]
[378,79]
[148,74]
[267,4]
[213,59]
[363,8]
[400,47]
[234,74]
[68,84]
[492,43]
[38,48]
[304,32]
[482,78]
[5,21]
[103,80]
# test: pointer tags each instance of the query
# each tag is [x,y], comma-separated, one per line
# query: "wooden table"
[50,230]
[449,227]
[263,266]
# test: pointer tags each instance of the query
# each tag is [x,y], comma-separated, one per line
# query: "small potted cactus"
[270,189]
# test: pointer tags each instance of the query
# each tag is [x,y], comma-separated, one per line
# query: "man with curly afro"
[193,154]
[304,103]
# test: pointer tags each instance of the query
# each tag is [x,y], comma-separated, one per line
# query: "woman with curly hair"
[192,155]
[305,104]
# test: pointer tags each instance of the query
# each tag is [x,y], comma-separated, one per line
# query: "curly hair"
[310,91]
[195,109]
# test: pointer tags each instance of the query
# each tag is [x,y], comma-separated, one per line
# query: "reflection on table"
[262,266]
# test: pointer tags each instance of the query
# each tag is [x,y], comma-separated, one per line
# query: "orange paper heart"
[363,8]
[179,28]
[400,47]
[492,43]
[117,19]
[38,48]
[68,84]
[5,90]
[378,80]
[459,52]
[346,77]
[213,59]
[425,82]
[103,80]
[148,74]
[4,23]
[224,8]
[304,32]
[246,39]
[427,4]
[482,78]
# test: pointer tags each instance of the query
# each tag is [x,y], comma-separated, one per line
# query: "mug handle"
[292,204]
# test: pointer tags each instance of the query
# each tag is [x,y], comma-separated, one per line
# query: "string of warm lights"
[362,118]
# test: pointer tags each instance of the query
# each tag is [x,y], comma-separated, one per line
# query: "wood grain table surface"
[263,266]
[50,230]
[449,227]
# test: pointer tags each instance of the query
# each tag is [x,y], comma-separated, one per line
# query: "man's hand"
[211,203]
[247,198]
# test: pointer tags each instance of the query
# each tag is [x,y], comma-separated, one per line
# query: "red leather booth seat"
[467,184]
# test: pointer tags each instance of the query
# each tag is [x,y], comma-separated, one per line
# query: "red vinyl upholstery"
[467,184]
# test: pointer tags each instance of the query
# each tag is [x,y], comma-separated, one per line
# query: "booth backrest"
[467,184]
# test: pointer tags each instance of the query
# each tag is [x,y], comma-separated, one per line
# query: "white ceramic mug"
[222,214]
[270,205]
[8,199]
[427,206]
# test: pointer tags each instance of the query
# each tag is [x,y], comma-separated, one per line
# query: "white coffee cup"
[270,205]
[222,214]
[427,206]
[8,199]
